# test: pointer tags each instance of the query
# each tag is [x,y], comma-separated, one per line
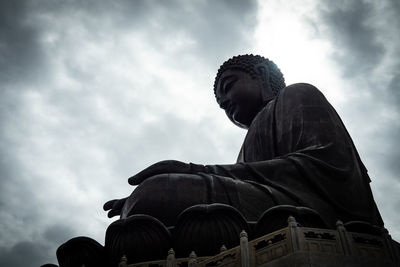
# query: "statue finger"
[113,213]
[109,204]
[136,179]
[143,175]
[119,204]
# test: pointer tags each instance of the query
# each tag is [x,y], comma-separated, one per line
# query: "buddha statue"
[297,152]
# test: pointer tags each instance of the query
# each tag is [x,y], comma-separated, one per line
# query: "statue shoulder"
[302,88]
[303,92]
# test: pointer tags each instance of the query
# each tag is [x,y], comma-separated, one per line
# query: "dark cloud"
[351,28]
[23,254]
[215,28]
[218,28]
[366,42]
[21,55]
[392,39]
[393,89]
[57,234]
[37,252]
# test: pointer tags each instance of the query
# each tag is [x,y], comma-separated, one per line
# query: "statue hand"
[166,166]
[115,207]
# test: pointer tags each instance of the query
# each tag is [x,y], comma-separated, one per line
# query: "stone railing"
[295,246]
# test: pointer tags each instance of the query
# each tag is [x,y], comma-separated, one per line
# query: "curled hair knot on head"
[250,64]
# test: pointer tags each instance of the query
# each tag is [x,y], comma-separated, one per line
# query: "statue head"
[244,85]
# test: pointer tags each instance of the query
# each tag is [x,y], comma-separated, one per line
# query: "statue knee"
[149,193]
[165,196]
[153,183]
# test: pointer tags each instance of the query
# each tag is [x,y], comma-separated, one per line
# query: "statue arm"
[240,171]
[261,171]
[166,166]
[253,171]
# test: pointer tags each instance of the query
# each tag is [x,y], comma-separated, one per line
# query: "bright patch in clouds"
[284,35]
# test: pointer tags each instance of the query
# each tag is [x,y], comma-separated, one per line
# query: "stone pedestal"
[296,246]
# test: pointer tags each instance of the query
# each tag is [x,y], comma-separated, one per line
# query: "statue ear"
[263,71]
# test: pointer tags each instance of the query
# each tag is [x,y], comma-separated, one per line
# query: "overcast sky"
[91,92]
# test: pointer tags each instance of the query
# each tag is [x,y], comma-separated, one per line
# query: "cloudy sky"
[91,92]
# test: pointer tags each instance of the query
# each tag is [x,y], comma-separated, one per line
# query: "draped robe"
[297,151]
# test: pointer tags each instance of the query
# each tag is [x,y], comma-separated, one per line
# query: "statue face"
[241,96]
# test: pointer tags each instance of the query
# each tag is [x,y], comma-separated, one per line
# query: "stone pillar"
[171,258]
[123,262]
[244,250]
[192,259]
[344,238]
[293,232]
[222,249]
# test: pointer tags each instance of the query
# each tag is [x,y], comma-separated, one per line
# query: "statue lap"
[165,196]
